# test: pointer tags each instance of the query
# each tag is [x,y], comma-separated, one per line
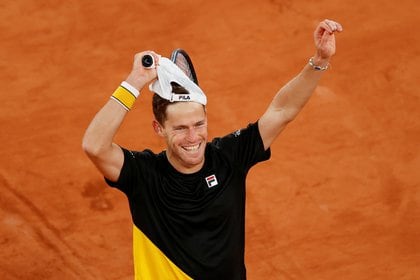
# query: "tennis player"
[188,201]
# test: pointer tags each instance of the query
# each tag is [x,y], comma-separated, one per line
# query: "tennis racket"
[183,61]
[180,58]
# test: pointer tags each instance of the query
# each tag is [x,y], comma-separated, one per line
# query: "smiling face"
[185,133]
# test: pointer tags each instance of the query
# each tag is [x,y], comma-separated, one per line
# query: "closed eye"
[200,124]
[180,128]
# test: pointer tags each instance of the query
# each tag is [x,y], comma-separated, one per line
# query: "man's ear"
[158,128]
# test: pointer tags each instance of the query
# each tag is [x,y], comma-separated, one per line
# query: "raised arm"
[291,98]
[98,139]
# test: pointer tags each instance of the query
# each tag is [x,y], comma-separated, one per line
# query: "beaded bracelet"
[317,67]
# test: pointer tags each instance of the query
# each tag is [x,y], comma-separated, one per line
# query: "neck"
[182,167]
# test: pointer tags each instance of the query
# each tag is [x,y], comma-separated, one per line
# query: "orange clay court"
[340,197]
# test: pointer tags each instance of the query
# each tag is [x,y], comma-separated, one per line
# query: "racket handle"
[147,61]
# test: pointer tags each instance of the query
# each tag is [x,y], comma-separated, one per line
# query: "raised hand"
[325,39]
[141,75]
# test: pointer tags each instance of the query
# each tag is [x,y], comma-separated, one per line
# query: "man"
[188,202]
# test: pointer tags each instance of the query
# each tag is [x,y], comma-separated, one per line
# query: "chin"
[194,160]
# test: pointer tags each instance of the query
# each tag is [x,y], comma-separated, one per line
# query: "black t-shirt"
[197,220]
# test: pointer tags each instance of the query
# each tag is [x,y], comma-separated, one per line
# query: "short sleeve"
[244,146]
[133,170]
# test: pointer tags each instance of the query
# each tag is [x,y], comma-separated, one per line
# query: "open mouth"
[193,148]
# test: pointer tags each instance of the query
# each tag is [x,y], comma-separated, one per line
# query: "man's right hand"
[140,75]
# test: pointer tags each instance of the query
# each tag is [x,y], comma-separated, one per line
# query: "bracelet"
[125,95]
[317,67]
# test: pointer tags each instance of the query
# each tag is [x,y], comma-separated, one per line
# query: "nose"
[191,134]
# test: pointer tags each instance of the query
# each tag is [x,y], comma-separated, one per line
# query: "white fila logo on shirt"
[211,181]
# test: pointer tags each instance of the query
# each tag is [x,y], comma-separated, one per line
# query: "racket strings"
[183,64]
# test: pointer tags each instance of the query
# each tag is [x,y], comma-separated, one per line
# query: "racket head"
[183,61]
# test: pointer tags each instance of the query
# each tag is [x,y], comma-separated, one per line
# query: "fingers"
[325,39]
[138,58]
[331,26]
[156,57]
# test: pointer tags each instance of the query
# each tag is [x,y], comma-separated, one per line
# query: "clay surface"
[339,198]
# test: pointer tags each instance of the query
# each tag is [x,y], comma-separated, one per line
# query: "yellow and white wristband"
[125,95]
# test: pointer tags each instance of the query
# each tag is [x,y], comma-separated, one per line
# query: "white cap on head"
[168,72]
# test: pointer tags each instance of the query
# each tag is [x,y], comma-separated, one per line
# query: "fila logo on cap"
[211,181]
[180,97]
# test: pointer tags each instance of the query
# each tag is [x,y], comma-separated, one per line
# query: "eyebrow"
[186,126]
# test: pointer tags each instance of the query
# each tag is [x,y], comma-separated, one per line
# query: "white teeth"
[191,148]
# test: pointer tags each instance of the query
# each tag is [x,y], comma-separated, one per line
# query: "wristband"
[125,95]
[130,88]
[317,67]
